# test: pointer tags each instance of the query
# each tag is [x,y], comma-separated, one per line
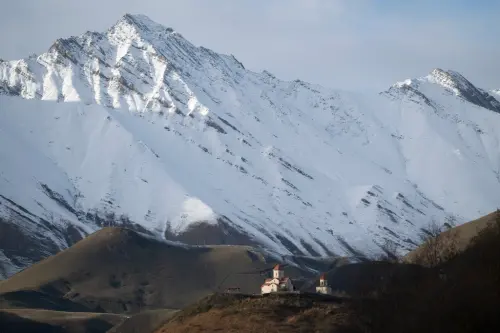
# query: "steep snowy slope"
[163,135]
[454,82]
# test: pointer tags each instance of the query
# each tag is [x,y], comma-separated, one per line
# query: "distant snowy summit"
[137,64]
[136,126]
[457,84]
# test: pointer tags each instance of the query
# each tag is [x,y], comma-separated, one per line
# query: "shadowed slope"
[43,321]
[273,313]
[467,231]
[11,323]
[121,271]
[144,322]
[459,238]
[44,299]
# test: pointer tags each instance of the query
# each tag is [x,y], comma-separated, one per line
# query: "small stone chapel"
[278,283]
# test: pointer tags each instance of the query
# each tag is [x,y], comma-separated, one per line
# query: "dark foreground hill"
[43,321]
[121,271]
[144,322]
[272,313]
[460,295]
[440,246]
[165,287]
[118,270]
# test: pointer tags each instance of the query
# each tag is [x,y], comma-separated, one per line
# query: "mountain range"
[138,127]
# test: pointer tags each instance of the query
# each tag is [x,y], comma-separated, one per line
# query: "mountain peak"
[143,22]
[446,78]
[462,87]
[132,25]
[138,18]
[450,79]
[455,82]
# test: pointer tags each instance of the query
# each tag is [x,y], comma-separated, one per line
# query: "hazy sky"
[349,44]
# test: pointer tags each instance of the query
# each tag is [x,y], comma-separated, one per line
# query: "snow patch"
[193,211]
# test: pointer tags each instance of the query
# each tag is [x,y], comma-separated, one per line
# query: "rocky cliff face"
[137,126]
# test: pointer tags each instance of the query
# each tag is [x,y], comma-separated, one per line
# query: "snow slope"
[137,124]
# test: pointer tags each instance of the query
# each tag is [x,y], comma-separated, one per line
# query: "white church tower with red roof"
[278,272]
[323,287]
[278,283]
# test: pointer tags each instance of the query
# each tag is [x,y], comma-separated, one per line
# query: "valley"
[149,185]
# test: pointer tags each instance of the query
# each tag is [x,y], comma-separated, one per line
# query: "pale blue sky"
[350,44]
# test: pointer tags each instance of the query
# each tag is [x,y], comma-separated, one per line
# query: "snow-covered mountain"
[138,126]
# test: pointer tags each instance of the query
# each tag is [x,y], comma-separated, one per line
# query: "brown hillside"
[466,232]
[461,296]
[31,299]
[458,237]
[11,323]
[120,271]
[273,313]
[144,322]
[43,321]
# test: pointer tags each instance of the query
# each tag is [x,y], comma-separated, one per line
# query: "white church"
[278,283]
[323,287]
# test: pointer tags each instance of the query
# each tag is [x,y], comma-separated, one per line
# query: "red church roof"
[277,267]
[323,276]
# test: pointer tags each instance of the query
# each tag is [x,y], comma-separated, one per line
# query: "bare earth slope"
[44,321]
[118,270]
[469,230]
[144,322]
[274,313]
[460,236]
[11,323]
[459,295]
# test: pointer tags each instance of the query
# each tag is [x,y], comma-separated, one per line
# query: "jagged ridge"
[459,85]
